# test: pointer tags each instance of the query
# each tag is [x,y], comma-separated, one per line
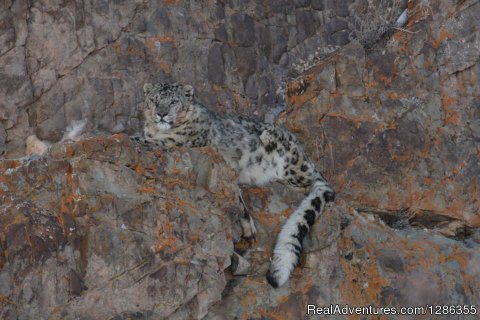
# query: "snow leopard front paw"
[141,140]
[138,139]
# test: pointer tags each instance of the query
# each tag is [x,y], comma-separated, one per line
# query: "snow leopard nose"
[161,114]
[329,196]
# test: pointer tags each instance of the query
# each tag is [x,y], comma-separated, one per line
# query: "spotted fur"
[260,152]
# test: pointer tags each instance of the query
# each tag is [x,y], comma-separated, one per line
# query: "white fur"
[284,259]
[163,126]
[256,174]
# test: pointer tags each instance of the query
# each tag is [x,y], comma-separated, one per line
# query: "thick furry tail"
[288,248]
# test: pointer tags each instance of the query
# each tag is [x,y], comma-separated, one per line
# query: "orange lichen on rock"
[268,219]
[362,284]
[147,189]
[451,115]
[442,36]
[151,42]
[357,120]
[173,2]
[173,182]
[166,243]
[301,91]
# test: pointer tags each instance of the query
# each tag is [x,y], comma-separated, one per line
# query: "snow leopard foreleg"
[289,245]
[142,141]
[148,143]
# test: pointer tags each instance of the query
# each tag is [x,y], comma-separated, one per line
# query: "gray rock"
[221,33]
[340,38]
[251,88]
[243,29]
[301,3]
[3,136]
[98,237]
[245,61]
[336,24]
[318,4]
[340,7]
[306,24]
[216,70]
[240,266]
[7,39]
[15,86]
[278,40]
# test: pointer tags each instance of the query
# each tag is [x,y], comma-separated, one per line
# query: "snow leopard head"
[167,104]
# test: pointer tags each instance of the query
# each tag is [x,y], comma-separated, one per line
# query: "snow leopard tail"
[288,248]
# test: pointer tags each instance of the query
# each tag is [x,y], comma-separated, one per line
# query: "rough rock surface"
[69,60]
[103,229]
[392,119]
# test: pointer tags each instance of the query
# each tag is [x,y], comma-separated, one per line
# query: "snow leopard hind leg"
[299,172]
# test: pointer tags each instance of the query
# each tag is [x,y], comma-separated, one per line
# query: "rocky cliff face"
[103,228]
[392,118]
[71,60]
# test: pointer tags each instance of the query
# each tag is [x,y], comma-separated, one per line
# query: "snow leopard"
[260,152]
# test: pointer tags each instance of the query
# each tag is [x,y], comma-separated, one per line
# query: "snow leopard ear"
[147,87]
[188,92]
